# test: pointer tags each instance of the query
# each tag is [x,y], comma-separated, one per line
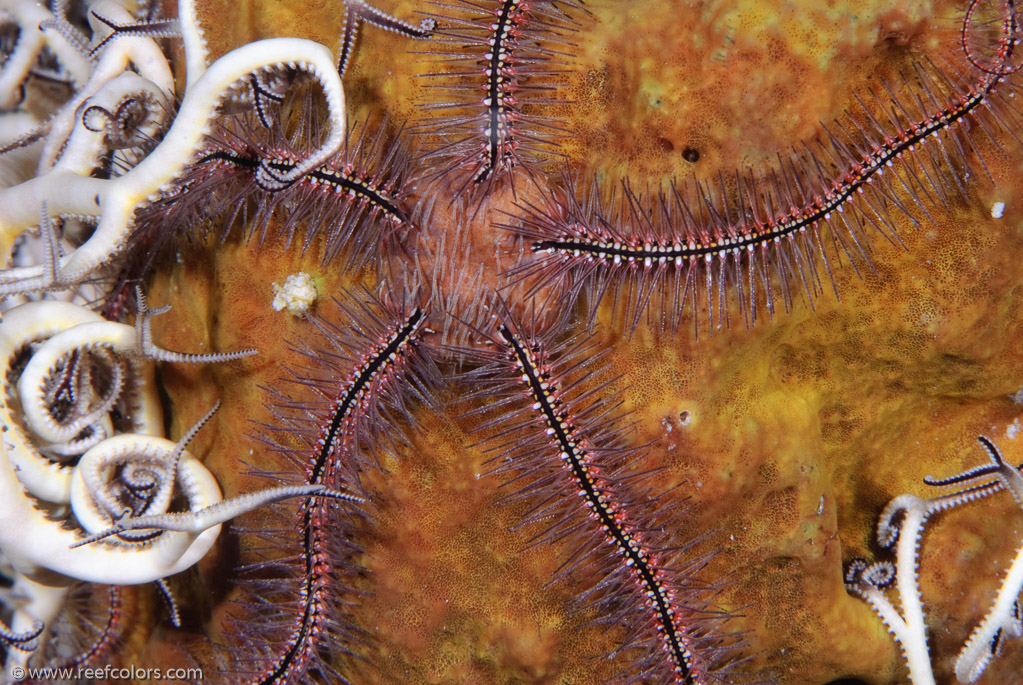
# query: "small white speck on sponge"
[297,294]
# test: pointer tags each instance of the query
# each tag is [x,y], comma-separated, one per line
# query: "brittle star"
[909,628]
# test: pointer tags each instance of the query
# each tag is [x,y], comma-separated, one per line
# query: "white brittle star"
[909,628]
[1003,619]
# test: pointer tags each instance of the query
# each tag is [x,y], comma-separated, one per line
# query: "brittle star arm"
[196,52]
[30,322]
[24,640]
[197,521]
[115,200]
[35,606]
[113,30]
[19,130]
[358,11]
[1003,615]
[909,629]
[154,471]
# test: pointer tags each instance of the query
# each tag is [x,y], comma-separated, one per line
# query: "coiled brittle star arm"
[69,342]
